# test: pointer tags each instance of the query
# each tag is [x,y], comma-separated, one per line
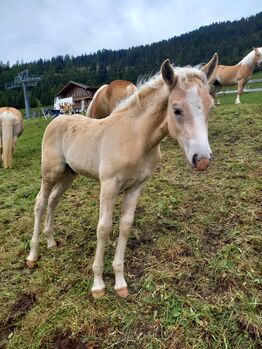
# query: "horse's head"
[258,56]
[188,110]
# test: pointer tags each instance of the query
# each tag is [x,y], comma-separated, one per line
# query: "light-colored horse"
[236,74]
[122,151]
[11,127]
[66,108]
[107,97]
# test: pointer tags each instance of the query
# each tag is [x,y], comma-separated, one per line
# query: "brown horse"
[236,74]
[11,127]
[107,97]
[122,151]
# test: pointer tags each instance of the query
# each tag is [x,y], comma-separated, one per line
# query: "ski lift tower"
[23,79]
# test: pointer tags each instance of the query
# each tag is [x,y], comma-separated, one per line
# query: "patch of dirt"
[174,253]
[64,341]
[214,237]
[133,243]
[24,303]
[233,138]
[17,311]
[140,210]
[177,340]
[194,278]
[258,149]
[145,239]
[225,283]
[254,330]
[156,327]
[256,243]
[135,270]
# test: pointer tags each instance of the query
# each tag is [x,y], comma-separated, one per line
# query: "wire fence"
[246,89]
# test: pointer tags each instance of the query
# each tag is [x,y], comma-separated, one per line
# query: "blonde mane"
[249,58]
[146,86]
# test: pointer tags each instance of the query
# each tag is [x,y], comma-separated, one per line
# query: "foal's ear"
[209,68]
[168,73]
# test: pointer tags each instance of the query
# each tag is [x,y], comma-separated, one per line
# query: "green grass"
[193,259]
[257,75]
[246,98]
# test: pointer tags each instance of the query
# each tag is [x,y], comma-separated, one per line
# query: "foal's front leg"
[108,193]
[126,221]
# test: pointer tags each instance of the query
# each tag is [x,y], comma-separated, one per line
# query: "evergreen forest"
[232,40]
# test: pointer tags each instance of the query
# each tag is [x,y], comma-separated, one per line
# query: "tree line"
[232,40]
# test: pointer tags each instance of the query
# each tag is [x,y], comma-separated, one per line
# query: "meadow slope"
[193,259]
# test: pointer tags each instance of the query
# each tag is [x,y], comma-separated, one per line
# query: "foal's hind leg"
[126,221]
[41,201]
[61,186]
[52,170]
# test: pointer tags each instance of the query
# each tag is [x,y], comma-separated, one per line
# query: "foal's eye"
[177,110]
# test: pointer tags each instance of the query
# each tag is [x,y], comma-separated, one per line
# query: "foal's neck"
[154,118]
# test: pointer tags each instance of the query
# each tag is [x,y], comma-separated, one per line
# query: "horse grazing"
[122,151]
[239,74]
[11,127]
[107,97]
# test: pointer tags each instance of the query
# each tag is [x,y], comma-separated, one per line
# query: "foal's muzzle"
[201,163]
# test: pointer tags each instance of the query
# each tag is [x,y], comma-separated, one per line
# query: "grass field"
[193,259]
[246,98]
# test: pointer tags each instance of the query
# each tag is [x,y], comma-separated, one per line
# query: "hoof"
[98,293]
[122,292]
[31,264]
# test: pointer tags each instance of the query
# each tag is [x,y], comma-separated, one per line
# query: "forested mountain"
[232,41]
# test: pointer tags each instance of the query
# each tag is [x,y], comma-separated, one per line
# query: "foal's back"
[118,90]
[109,97]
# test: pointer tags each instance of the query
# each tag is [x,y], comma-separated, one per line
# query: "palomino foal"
[122,151]
[239,73]
[11,127]
[107,97]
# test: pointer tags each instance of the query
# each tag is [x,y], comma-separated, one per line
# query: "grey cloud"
[31,29]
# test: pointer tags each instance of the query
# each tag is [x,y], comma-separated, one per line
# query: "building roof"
[70,84]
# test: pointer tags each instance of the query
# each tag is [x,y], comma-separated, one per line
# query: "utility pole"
[24,80]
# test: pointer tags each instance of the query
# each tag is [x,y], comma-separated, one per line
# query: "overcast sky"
[33,29]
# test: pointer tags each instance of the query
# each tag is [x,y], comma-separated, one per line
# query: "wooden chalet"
[78,95]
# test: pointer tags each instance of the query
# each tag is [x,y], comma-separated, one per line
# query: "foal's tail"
[7,142]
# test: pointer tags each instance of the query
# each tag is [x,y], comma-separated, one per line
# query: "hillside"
[232,41]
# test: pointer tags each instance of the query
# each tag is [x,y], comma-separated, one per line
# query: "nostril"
[194,160]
